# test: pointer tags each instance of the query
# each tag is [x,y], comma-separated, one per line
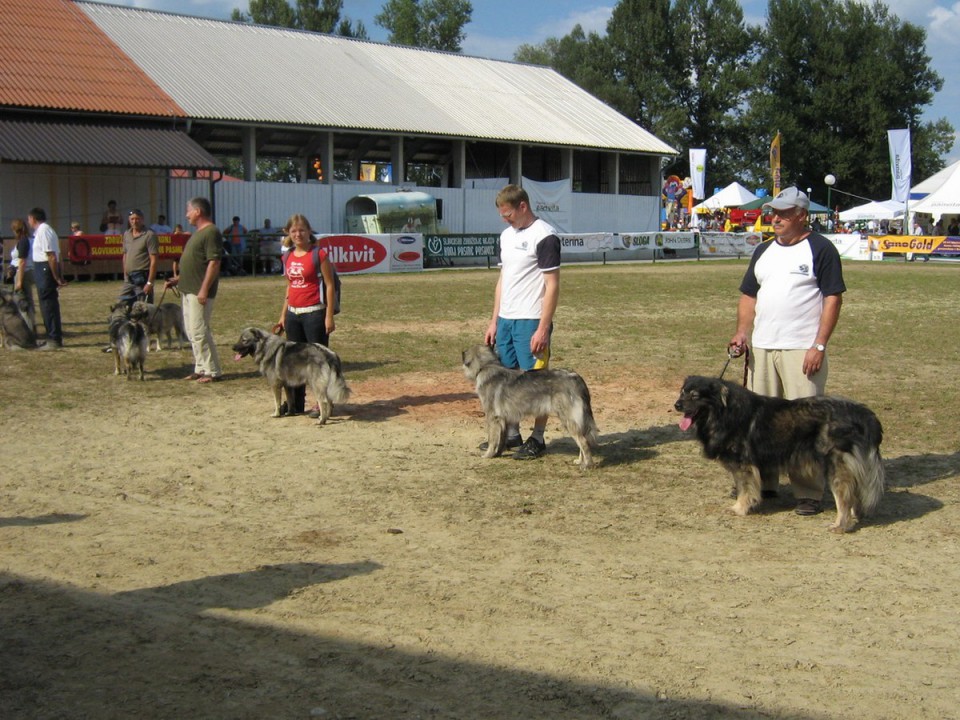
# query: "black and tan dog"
[757,437]
[507,396]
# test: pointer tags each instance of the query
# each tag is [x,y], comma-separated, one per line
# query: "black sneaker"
[530,450]
[510,444]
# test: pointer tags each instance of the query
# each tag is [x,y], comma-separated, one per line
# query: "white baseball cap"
[788,198]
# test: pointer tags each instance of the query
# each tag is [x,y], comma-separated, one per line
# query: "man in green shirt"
[198,277]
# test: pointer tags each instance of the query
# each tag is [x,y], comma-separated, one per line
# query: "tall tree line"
[831,75]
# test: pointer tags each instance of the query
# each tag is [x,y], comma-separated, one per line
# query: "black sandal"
[808,506]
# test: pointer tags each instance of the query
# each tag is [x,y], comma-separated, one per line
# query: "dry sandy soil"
[198,559]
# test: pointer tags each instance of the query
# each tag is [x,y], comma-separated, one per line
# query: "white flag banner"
[551,201]
[900,165]
[698,171]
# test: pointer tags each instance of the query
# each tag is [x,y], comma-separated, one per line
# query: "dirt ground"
[200,559]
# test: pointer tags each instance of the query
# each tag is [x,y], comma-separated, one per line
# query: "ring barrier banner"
[917,244]
[586,242]
[452,247]
[656,241]
[84,249]
[720,244]
[354,254]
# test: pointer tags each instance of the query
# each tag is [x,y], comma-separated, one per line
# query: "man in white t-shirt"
[790,296]
[525,300]
[46,268]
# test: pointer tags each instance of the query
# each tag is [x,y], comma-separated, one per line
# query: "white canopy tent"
[873,210]
[933,183]
[733,195]
[945,200]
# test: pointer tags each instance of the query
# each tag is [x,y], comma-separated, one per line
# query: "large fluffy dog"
[15,331]
[165,319]
[290,364]
[757,437]
[507,396]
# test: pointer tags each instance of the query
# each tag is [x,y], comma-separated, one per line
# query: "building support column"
[249,150]
[613,173]
[398,165]
[458,156]
[516,164]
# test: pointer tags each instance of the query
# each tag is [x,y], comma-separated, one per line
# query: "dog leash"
[732,353]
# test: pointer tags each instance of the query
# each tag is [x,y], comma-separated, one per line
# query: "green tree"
[716,51]
[324,16]
[833,77]
[434,24]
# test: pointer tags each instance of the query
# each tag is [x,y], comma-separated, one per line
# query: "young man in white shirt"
[525,300]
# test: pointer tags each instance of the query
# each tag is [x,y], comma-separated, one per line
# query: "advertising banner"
[698,171]
[775,162]
[720,244]
[900,163]
[571,243]
[354,254]
[551,201]
[84,249]
[656,241]
[919,244]
[851,246]
[453,247]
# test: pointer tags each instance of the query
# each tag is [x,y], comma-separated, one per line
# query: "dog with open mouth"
[756,438]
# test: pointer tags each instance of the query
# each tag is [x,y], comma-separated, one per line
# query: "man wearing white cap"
[790,296]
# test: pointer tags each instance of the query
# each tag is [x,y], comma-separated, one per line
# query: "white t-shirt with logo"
[524,256]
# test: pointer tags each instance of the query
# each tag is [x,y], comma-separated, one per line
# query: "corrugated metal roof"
[229,71]
[70,144]
[53,56]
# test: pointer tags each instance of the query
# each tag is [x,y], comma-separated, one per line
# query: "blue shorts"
[513,344]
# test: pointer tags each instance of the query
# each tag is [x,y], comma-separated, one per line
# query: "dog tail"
[337,389]
[871,479]
[590,431]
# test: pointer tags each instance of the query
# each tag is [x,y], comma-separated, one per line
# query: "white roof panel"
[249,73]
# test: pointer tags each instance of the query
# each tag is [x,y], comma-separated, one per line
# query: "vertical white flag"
[900,164]
[698,171]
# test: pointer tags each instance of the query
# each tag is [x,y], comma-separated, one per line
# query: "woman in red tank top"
[305,316]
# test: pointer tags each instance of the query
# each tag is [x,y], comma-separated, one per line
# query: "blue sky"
[499,26]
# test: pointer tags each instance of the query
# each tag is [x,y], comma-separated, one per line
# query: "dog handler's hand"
[490,336]
[813,361]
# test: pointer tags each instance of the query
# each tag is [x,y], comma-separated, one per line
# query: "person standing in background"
[141,250]
[46,268]
[111,223]
[198,277]
[21,260]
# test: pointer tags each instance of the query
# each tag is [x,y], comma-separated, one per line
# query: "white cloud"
[591,20]
[502,47]
[944,23]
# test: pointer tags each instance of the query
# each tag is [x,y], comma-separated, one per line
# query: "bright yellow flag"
[775,163]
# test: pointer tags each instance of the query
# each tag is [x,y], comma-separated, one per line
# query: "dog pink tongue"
[238,357]
[686,422]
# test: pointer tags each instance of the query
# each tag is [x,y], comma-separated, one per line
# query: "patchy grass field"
[171,551]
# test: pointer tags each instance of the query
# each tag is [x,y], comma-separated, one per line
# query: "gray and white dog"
[15,331]
[129,340]
[164,319]
[507,396]
[290,364]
